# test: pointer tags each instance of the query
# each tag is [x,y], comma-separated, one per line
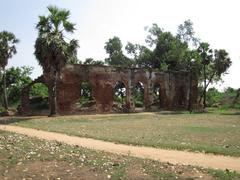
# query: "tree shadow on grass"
[171,112]
[231,113]
[11,120]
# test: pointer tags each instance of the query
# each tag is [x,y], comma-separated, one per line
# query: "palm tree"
[7,50]
[222,61]
[218,63]
[206,56]
[52,50]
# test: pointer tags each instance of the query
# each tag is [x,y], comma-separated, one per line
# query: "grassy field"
[22,157]
[217,133]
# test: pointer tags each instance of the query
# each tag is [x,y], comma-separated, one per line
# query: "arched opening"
[38,99]
[119,103]
[138,96]
[85,101]
[181,98]
[157,96]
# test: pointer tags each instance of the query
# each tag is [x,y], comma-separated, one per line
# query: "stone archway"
[27,101]
[120,97]
[139,96]
[157,96]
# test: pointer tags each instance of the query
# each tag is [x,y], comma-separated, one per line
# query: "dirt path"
[171,156]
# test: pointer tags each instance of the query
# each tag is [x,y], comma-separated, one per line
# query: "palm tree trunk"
[190,92]
[205,88]
[53,109]
[5,100]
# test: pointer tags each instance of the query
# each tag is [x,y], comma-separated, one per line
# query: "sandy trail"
[171,156]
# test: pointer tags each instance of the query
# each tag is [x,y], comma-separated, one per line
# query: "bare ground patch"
[28,158]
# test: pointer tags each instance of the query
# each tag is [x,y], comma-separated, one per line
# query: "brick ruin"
[177,90]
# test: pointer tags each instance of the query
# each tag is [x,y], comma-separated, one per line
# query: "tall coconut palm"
[52,49]
[7,50]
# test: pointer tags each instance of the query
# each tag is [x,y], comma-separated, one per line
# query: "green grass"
[22,157]
[223,175]
[211,132]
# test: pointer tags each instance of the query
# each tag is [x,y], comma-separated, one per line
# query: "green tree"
[215,64]
[16,79]
[186,33]
[7,50]
[91,61]
[206,57]
[132,49]
[213,96]
[222,62]
[39,90]
[52,49]
[116,57]
[169,52]
[74,60]
[142,56]
[229,98]
[154,32]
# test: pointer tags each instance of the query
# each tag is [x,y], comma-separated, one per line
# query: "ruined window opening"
[119,96]
[157,95]
[138,95]
[181,98]
[85,100]
[38,98]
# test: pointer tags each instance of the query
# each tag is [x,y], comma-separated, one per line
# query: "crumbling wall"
[102,79]
[175,88]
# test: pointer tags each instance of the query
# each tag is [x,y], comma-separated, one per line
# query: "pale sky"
[215,22]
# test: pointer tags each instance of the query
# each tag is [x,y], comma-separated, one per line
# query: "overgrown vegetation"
[223,100]
[16,79]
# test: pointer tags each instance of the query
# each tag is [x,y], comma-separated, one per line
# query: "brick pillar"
[130,106]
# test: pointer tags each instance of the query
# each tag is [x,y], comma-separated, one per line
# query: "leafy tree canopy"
[16,79]
[51,47]
[7,50]
[186,33]
[7,47]
[91,61]
[116,57]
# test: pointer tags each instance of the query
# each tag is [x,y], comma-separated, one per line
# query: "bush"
[1,111]
[213,97]
[39,103]
[138,104]
[223,100]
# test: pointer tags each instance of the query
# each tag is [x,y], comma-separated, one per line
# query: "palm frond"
[68,26]
[51,47]
[7,47]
